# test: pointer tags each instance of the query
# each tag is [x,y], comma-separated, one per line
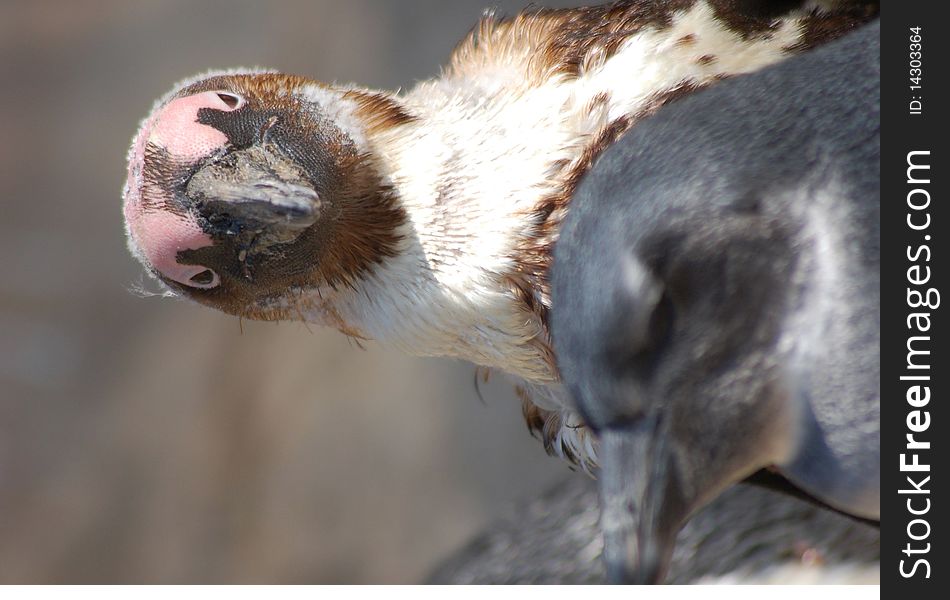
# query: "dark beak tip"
[641,505]
[645,566]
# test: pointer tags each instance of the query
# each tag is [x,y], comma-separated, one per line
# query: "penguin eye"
[232,100]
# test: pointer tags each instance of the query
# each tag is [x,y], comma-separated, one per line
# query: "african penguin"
[733,240]
[426,219]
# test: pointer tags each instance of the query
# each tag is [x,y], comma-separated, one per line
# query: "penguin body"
[734,242]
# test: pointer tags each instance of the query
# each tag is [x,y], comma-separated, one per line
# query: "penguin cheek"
[168,147]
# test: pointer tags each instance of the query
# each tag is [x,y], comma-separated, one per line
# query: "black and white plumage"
[426,219]
[733,239]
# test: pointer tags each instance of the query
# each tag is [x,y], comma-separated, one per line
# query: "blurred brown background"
[149,440]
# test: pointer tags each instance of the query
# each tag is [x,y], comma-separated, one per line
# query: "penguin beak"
[642,503]
[258,190]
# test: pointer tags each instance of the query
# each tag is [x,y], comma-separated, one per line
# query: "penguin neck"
[484,161]
[485,165]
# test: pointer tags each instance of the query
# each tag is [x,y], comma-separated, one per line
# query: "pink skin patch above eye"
[176,127]
[161,234]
